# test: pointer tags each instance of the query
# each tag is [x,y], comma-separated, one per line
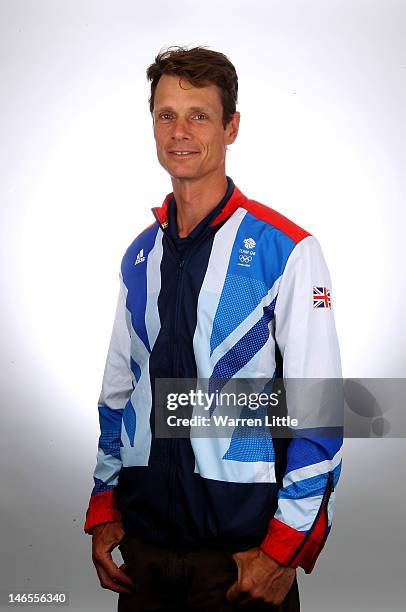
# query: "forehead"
[176,91]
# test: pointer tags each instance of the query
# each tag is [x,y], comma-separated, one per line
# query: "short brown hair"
[200,67]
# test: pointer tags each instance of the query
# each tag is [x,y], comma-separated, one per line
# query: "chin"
[179,174]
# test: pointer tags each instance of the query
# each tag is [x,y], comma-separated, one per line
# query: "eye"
[201,115]
[165,116]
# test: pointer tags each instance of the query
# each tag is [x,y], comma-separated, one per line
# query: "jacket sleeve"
[306,336]
[117,386]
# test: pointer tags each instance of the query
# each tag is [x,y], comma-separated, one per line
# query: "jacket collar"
[236,200]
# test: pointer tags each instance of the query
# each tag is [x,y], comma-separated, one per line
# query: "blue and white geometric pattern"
[251,443]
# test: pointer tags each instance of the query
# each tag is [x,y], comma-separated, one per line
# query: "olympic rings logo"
[245,258]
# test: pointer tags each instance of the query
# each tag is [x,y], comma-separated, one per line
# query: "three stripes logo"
[140,258]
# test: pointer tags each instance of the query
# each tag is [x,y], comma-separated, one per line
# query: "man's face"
[189,119]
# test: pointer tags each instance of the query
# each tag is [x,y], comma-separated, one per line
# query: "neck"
[195,199]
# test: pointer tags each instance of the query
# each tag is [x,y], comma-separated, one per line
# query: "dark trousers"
[175,580]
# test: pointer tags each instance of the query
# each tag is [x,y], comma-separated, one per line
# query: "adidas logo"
[140,257]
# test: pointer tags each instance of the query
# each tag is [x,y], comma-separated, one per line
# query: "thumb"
[233,592]
[238,564]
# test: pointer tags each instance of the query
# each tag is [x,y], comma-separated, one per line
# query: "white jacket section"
[118,379]
[306,336]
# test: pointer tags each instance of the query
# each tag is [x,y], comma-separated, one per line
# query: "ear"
[231,129]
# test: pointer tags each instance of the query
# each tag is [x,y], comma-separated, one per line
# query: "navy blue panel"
[205,512]
[110,418]
[182,244]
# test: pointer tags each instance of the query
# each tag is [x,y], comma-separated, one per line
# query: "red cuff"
[102,509]
[281,542]
[295,548]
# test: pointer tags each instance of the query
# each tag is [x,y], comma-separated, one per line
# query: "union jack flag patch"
[321,297]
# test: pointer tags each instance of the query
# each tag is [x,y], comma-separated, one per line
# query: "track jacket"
[248,297]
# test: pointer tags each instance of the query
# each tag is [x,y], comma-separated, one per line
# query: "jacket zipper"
[173,442]
[181,267]
[323,508]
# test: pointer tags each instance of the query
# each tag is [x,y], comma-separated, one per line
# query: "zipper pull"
[180,266]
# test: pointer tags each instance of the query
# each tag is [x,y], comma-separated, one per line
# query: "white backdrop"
[323,125]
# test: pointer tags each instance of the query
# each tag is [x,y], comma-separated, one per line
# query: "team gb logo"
[249,243]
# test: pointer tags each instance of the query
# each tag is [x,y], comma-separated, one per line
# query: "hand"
[105,538]
[260,577]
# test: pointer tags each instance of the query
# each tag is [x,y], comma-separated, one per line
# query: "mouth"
[183,153]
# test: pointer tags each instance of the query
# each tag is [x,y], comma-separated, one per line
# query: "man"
[218,286]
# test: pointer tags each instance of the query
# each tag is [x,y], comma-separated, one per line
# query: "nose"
[181,129]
